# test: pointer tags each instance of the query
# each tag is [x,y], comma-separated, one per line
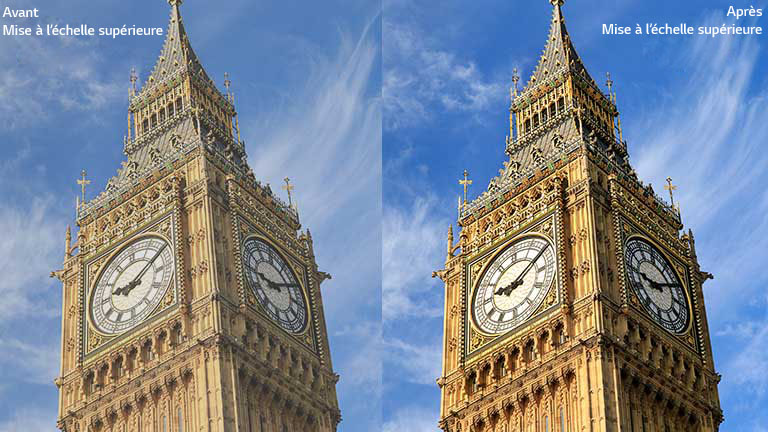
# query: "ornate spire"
[176,56]
[559,55]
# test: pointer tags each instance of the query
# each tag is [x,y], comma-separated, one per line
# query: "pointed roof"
[176,56]
[559,54]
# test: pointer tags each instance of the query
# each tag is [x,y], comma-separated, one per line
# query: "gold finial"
[557,2]
[227,83]
[237,122]
[670,187]
[466,182]
[134,78]
[68,242]
[609,83]
[175,2]
[288,188]
[515,79]
[83,184]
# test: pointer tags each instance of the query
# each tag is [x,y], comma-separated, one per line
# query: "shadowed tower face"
[573,297]
[191,297]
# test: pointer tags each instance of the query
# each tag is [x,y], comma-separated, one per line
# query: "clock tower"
[573,297]
[191,297]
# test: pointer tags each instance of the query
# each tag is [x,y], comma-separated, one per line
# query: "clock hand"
[655,285]
[125,289]
[671,285]
[137,280]
[274,285]
[519,281]
[507,289]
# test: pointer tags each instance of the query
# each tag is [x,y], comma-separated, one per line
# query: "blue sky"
[307,77]
[693,108]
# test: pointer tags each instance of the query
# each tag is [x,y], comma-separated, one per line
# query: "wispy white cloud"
[33,234]
[329,139]
[37,361]
[416,362]
[363,369]
[420,77]
[40,75]
[411,252]
[30,248]
[27,250]
[412,420]
[30,419]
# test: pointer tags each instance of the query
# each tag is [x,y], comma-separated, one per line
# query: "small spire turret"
[227,84]
[68,242]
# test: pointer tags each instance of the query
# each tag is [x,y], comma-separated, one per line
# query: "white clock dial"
[514,285]
[133,284]
[274,285]
[656,284]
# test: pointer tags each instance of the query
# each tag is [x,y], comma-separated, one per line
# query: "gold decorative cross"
[670,187]
[83,183]
[288,188]
[134,78]
[515,79]
[228,83]
[466,182]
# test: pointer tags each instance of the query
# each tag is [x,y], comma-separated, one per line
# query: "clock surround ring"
[491,260]
[684,286]
[251,290]
[116,251]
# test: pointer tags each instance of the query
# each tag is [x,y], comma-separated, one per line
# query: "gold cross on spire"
[227,83]
[134,78]
[288,188]
[83,183]
[515,79]
[670,187]
[466,182]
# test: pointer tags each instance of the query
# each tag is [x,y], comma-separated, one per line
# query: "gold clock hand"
[519,281]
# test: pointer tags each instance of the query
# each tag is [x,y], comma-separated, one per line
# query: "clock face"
[656,284]
[514,285]
[274,285]
[132,285]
